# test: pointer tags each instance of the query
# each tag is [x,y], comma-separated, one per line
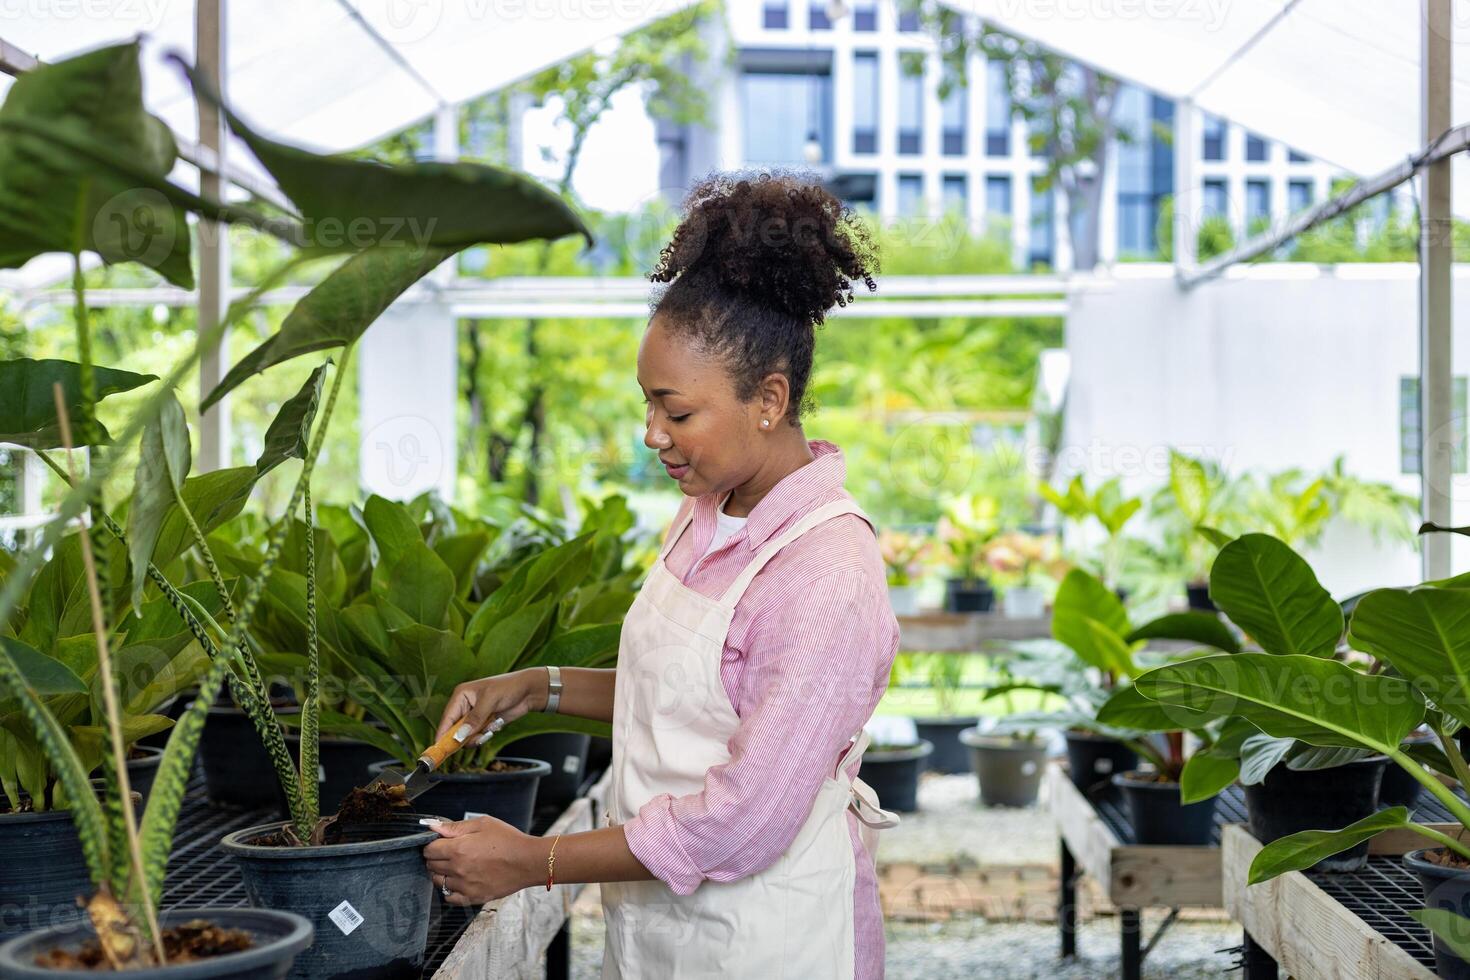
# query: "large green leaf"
[350,204]
[42,674]
[1261,753]
[421,585]
[213,498]
[1127,708]
[1269,591]
[1088,617]
[28,404]
[393,530]
[1205,775]
[1194,627]
[507,639]
[1321,702]
[54,199]
[462,553]
[585,646]
[1449,927]
[1425,635]
[163,465]
[290,431]
[1299,851]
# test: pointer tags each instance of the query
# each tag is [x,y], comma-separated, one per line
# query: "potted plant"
[944,673]
[1109,507]
[1198,495]
[1008,761]
[966,527]
[1023,564]
[903,553]
[892,771]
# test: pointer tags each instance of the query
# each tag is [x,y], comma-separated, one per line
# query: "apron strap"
[824,513]
[864,802]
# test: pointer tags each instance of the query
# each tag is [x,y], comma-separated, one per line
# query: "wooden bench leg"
[559,953]
[1256,963]
[1131,926]
[1067,903]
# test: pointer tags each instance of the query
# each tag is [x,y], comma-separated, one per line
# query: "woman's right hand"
[508,696]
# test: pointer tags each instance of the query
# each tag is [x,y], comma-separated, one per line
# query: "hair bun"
[780,239]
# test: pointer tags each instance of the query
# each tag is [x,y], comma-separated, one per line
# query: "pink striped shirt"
[805,662]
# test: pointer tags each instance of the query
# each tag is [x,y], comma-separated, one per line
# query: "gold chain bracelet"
[551,863]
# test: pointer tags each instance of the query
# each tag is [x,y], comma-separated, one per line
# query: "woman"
[755,651]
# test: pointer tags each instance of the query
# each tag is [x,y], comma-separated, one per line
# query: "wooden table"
[944,632]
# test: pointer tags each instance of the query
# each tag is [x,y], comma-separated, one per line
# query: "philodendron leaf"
[1261,753]
[1301,850]
[1128,708]
[1449,927]
[337,310]
[1321,702]
[54,198]
[1205,775]
[163,465]
[1195,627]
[1424,634]
[290,431]
[28,405]
[1088,617]
[1269,591]
[351,204]
[1311,757]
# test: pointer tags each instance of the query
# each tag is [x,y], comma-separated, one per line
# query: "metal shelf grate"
[1382,895]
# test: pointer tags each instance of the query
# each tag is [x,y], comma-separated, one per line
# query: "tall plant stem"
[310,706]
[114,710]
[1452,752]
[1437,789]
[1444,840]
[206,555]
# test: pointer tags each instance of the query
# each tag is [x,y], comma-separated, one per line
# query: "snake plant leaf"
[52,192]
[1449,927]
[1321,702]
[1269,591]
[290,431]
[28,405]
[1299,851]
[1128,708]
[1261,753]
[351,203]
[1205,775]
[163,464]
[1195,627]
[1090,619]
[1424,634]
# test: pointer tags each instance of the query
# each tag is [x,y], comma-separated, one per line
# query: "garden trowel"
[418,781]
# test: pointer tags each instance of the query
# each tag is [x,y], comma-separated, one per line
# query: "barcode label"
[345,917]
[472,814]
[571,764]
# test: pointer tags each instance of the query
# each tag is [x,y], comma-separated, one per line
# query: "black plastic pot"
[143,769]
[508,796]
[278,938]
[1009,769]
[1444,888]
[343,766]
[599,754]
[950,755]
[1198,595]
[566,754]
[1398,787]
[968,595]
[1158,816]
[237,770]
[43,872]
[1290,800]
[367,897]
[893,773]
[174,708]
[1092,760]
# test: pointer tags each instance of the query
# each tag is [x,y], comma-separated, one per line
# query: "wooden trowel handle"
[435,754]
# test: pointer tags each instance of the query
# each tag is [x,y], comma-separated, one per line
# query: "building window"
[997,203]
[955,109]
[1299,195]
[865,102]
[956,195]
[1214,134]
[816,17]
[1409,425]
[910,195]
[910,106]
[782,111]
[1257,205]
[774,15]
[997,110]
[1043,225]
[1216,203]
[1145,169]
[908,17]
[1292,156]
[1256,149]
[865,17]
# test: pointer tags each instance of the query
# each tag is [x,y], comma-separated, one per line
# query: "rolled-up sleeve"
[817,660]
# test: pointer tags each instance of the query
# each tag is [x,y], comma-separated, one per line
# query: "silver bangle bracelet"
[553,686]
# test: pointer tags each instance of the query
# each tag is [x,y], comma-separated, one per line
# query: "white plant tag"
[1028,768]
[321,773]
[472,814]
[345,917]
[571,764]
[1102,766]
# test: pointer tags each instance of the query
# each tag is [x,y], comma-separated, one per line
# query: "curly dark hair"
[754,266]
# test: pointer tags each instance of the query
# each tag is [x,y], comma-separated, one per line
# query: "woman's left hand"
[479,860]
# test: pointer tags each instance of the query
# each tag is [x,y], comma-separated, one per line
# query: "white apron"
[672,721]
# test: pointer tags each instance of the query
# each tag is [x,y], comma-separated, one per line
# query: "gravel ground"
[951,823]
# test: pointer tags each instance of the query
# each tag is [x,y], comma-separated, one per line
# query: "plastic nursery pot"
[277,939]
[237,770]
[342,766]
[1198,596]
[1289,800]
[904,599]
[367,897]
[968,595]
[1158,816]
[950,755]
[893,773]
[1009,769]
[508,796]
[566,754]
[1444,888]
[1398,787]
[142,768]
[1024,602]
[1093,760]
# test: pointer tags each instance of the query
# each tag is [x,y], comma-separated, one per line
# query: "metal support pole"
[1185,198]
[1130,924]
[1436,252]
[214,250]
[1255,962]
[1067,902]
[559,953]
